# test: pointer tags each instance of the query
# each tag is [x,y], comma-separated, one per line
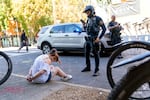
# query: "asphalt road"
[72,63]
[17,88]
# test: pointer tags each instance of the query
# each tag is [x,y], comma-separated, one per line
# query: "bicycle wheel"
[5,67]
[127,50]
[135,82]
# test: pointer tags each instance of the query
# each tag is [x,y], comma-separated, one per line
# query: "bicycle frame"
[132,60]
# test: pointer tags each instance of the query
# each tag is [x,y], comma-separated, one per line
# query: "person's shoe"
[68,77]
[86,69]
[96,73]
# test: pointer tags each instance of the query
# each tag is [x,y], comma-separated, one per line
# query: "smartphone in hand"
[82,21]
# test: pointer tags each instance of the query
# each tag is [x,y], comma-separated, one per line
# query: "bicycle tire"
[9,69]
[125,46]
[135,78]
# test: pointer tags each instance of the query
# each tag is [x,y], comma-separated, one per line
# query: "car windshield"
[43,29]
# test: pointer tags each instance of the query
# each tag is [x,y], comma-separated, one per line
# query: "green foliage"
[21,20]
[104,2]
[68,10]
[33,14]
[5,12]
[2,21]
[43,21]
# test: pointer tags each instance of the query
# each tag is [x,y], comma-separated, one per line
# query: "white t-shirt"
[40,64]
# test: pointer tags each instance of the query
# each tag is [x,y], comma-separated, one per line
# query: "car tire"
[46,48]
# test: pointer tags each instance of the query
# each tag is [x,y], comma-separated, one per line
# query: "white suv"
[67,37]
[64,37]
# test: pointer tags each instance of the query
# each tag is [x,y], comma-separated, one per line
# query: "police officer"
[115,28]
[92,27]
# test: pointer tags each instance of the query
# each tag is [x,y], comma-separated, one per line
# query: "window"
[70,28]
[57,29]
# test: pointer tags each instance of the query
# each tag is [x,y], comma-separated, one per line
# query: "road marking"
[26,61]
[17,75]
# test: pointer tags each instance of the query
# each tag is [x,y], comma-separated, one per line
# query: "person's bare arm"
[30,72]
[38,74]
[30,78]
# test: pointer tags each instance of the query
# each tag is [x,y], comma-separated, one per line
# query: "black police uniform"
[92,29]
[115,33]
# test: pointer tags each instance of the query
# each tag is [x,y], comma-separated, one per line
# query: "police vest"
[93,27]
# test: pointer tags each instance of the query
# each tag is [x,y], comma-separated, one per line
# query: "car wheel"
[46,48]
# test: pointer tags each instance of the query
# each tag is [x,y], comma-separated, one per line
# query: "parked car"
[67,37]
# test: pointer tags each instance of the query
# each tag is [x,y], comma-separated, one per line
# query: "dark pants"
[24,43]
[94,47]
[115,38]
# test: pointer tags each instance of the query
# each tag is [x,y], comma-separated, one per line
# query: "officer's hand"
[97,40]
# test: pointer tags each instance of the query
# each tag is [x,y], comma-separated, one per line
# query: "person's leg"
[96,56]
[113,38]
[118,40]
[21,46]
[87,57]
[27,47]
[61,73]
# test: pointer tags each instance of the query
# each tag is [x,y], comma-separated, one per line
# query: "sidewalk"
[78,92]
[16,48]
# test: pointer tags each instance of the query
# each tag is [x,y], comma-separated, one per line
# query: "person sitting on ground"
[42,70]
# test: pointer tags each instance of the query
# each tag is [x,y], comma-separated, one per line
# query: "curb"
[84,86]
[14,48]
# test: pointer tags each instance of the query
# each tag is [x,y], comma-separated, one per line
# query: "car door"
[74,36]
[57,36]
